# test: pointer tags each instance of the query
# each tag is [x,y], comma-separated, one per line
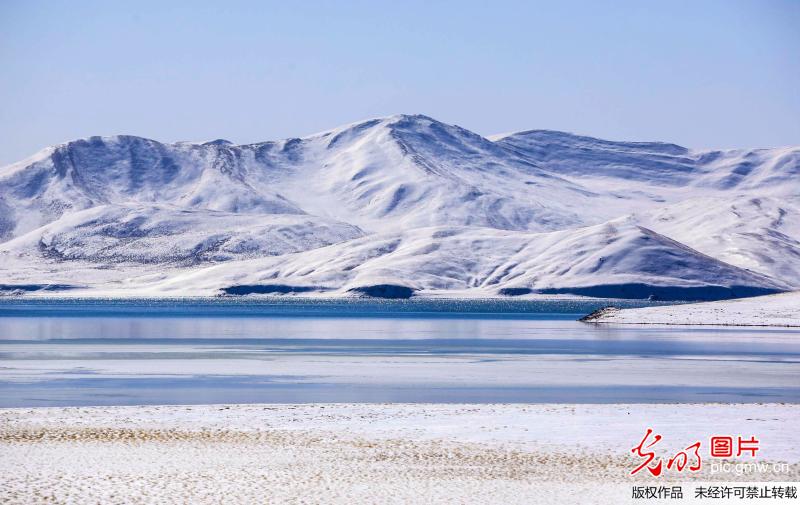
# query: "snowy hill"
[404,201]
[761,234]
[155,234]
[615,259]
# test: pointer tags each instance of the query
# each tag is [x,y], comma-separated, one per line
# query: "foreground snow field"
[406,202]
[346,453]
[773,310]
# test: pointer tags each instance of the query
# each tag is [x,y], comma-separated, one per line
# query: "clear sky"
[700,73]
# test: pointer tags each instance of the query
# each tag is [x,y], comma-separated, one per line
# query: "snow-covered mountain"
[403,201]
[617,259]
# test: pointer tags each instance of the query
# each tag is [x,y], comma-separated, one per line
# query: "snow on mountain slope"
[405,171]
[761,234]
[412,171]
[659,164]
[127,170]
[772,170]
[574,155]
[533,210]
[155,234]
[614,259]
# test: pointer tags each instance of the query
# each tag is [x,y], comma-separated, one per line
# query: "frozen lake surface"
[228,350]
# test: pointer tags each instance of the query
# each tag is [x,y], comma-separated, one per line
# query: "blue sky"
[699,73]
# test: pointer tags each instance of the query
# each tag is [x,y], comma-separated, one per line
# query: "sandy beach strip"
[364,453]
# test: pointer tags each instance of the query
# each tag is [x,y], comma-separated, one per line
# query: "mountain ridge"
[128,202]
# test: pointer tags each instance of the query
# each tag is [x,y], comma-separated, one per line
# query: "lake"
[293,350]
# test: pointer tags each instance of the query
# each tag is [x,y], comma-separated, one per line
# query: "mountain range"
[397,206]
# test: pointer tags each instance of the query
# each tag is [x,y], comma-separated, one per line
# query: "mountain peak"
[218,142]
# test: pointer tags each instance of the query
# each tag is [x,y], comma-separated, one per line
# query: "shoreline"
[778,310]
[727,325]
[453,296]
[769,311]
[338,453]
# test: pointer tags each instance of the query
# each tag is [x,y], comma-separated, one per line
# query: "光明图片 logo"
[689,458]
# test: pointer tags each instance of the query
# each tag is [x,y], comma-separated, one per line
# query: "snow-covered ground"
[773,310]
[406,201]
[390,453]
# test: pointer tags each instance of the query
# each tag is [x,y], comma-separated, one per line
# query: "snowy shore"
[367,453]
[773,310]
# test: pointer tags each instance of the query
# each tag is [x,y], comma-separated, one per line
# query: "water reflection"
[123,354]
